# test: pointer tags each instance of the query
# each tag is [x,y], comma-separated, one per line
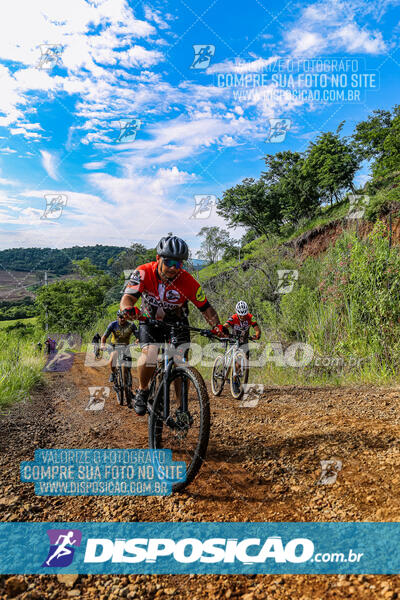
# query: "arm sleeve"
[197,295]
[108,331]
[134,330]
[135,285]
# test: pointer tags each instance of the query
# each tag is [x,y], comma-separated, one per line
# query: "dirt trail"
[263,464]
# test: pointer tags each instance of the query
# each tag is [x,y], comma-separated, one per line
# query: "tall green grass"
[345,306]
[20,367]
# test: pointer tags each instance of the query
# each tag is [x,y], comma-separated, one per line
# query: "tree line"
[55,260]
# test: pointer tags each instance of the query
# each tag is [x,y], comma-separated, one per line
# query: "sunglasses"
[171,262]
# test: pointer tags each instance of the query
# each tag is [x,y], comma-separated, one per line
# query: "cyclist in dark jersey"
[121,332]
[165,289]
[96,343]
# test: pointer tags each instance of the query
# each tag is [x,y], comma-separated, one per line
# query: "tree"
[370,135]
[378,139]
[85,268]
[292,189]
[215,243]
[132,257]
[72,306]
[249,204]
[330,165]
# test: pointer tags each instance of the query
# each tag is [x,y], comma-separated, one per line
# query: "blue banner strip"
[231,548]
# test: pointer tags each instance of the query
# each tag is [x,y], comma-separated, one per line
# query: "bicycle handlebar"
[182,326]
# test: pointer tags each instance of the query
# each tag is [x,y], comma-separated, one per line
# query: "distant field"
[4,324]
[14,284]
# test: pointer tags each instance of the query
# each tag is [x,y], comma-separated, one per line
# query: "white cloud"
[155,16]
[49,164]
[331,25]
[354,40]
[7,150]
[94,166]
[84,56]
[137,56]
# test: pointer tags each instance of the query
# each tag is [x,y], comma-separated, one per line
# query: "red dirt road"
[263,464]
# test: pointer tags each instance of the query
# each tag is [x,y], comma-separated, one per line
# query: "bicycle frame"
[229,354]
[168,365]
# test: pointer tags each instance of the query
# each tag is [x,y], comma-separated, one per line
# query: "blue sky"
[120,60]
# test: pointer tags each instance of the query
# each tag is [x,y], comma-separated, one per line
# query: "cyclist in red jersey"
[166,289]
[241,322]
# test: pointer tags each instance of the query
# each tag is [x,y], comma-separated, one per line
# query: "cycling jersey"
[120,334]
[242,327]
[166,300]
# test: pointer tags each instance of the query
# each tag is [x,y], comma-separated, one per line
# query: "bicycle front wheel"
[218,376]
[239,373]
[119,386]
[186,432]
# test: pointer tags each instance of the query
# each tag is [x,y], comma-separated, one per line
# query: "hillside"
[55,260]
[333,290]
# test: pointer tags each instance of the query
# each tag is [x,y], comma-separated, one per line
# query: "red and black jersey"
[166,299]
[242,327]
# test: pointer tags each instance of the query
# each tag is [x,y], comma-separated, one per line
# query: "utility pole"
[46,313]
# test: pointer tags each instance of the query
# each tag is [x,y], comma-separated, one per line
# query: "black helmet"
[173,247]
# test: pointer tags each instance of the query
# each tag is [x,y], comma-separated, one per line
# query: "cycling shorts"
[151,334]
[246,349]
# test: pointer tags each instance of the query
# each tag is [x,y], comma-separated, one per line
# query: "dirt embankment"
[318,240]
[263,464]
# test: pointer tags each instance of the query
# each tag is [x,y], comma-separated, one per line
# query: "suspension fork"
[168,364]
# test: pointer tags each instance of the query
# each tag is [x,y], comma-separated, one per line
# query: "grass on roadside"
[21,367]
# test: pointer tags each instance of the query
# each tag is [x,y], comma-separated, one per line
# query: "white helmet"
[242,309]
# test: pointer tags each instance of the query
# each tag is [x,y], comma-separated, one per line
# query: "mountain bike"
[235,362]
[123,386]
[178,405]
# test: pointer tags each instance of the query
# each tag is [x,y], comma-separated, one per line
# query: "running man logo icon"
[278,130]
[203,206]
[357,206]
[55,204]
[62,546]
[202,55]
[286,280]
[97,399]
[50,56]
[252,393]
[128,130]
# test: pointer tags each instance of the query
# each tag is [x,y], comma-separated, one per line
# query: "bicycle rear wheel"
[239,373]
[187,432]
[218,376]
